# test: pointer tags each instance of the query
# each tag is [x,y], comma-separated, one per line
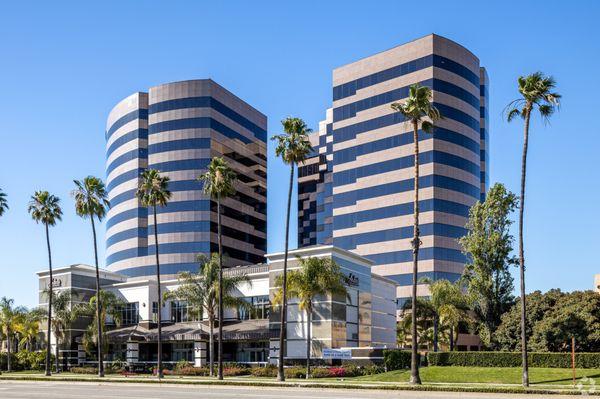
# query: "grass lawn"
[505,375]
[559,378]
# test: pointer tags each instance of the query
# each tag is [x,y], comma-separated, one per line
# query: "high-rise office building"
[177,128]
[356,191]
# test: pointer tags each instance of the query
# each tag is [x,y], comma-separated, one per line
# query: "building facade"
[366,318]
[177,128]
[356,191]
[80,282]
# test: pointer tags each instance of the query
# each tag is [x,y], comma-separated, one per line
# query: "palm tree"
[293,146]
[91,200]
[449,309]
[424,320]
[29,328]
[152,192]
[3,203]
[218,183]
[10,318]
[315,277]
[537,91]
[63,317]
[415,109]
[45,208]
[201,291]
[111,309]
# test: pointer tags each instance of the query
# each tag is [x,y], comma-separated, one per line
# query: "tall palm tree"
[537,92]
[415,109]
[91,200]
[201,292]
[3,203]
[315,277]
[293,146]
[45,208]
[10,318]
[218,182]
[153,191]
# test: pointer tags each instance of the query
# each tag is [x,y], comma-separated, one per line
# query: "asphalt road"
[83,390]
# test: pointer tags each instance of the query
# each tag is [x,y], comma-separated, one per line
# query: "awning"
[195,331]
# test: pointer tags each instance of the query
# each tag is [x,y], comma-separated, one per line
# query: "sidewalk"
[313,383]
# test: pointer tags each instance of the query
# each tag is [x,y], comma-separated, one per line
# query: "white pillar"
[274,351]
[80,354]
[132,352]
[199,354]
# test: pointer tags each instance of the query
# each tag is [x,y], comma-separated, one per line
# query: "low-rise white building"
[366,318]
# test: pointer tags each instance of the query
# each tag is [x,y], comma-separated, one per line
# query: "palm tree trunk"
[8,352]
[56,356]
[159,317]
[308,340]
[283,314]
[211,346]
[98,304]
[414,360]
[435,332]
[522,251]
[220,343]
[451,339]
[49,326]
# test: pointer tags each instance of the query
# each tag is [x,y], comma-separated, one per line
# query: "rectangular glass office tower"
[356,191]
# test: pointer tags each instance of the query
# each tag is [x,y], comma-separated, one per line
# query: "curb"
[428,388]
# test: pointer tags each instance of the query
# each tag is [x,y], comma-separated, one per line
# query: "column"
[199,354]
[132,352]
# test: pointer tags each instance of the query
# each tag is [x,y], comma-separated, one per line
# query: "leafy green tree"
[29,328]
[553,318]
[201,292]
[424,320]
[488,245]
[45,208]
[3,203]
[63,317]
[450,308]
[316,278]
[111,311]
[218,183]
[536,92]
[91,201]
[293,146]
[154,191]
[10,318]
[418,109]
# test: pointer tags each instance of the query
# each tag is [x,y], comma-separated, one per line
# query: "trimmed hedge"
[396,359]
[513,359]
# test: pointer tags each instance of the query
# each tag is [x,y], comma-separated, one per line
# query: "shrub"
[192,371]
[512,359]
[84,370]
[323,372]
[295,372]
[268,371]
[182,364]
[396,359]
[372,369]
[235,371]
[32,360]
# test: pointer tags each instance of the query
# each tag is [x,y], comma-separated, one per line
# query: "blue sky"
[63,65]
